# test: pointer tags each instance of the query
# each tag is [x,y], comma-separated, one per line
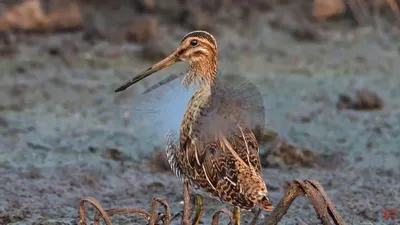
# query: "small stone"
[284,153]
[114,154]
[327,8]
[159,161]
[146,5]
[367,100]
[29,15]
[200,21]
[364,100]
[157,48]
[143,29]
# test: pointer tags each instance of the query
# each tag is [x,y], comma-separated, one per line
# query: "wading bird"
[216,153]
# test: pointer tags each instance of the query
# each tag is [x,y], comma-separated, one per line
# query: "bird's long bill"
[168,61]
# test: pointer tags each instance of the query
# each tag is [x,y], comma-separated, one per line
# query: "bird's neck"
[198,107]
[202,73]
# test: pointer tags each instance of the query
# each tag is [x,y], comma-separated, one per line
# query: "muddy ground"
[65,134]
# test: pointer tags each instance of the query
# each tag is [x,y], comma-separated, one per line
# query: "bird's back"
[217,151]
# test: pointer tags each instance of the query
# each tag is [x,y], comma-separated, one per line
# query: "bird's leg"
[256,216]
[199,210]
[186,204]
[236,215]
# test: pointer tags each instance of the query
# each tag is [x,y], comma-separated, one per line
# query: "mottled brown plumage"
[216,152]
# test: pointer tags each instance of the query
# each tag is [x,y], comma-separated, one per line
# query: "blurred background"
[329,71]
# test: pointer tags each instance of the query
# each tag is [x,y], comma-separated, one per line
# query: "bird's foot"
[199,210]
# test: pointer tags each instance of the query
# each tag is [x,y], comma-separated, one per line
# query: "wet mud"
[65,134]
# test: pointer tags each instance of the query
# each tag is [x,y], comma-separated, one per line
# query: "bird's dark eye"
[193,42]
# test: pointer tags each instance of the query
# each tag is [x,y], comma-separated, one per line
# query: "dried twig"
[112,212]
[215,219]
[96,204]
[312,189]
[152,218]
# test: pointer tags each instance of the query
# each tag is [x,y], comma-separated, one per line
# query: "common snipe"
[216,153]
